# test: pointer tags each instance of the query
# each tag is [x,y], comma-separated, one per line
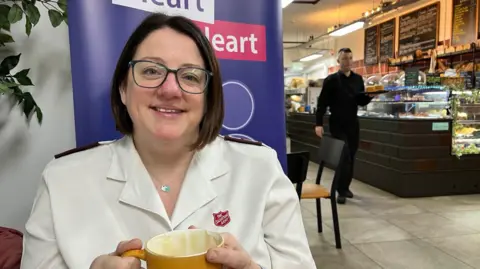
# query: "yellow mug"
[179,250]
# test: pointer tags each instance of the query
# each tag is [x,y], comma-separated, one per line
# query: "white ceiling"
[303,20]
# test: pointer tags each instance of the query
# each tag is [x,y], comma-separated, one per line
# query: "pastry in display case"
[410,103]
[297,103]
[466,123]
[296,83]
[373,84]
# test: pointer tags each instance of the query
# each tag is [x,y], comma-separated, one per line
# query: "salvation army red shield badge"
[221,219]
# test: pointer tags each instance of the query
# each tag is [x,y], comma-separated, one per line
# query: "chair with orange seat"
[330,153]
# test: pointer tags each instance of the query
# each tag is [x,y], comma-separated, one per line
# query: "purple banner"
[246,36]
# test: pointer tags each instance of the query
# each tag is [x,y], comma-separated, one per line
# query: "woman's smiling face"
[165,111]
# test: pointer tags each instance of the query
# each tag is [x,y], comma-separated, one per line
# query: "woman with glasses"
[170,171]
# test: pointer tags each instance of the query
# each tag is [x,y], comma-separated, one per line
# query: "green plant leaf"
[4,23]
[5,26]
[56,17]
[28,26]
[11,85]
[28,104]
[25,81]
[15,14]
[5,38]
[4,88]
[39,113]
[62,4]
[8,64]
[4,9]
[22,73]
[18,94]
[33,13]
[65,17]
[22,78]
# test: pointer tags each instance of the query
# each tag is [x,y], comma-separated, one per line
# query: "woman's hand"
[231,255]
[114,261]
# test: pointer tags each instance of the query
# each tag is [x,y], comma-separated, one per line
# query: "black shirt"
[343,95]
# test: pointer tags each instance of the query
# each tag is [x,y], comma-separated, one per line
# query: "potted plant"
[13,11]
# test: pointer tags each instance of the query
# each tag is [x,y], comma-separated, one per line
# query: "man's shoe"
[348,194]
[341,200]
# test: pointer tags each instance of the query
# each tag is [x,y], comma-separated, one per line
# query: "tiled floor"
[380,230]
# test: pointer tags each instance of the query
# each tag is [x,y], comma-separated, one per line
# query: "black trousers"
[350,134]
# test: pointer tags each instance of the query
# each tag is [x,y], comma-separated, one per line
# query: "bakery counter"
[300,129]
[406,157]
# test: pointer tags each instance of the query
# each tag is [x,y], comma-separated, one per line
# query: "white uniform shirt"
[91,200]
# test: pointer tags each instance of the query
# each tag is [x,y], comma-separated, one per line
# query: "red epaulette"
[75,150]
[243,141]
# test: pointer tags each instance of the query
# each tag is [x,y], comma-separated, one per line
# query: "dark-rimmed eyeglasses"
[149,74]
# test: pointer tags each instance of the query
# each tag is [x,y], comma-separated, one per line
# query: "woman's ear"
[123,92]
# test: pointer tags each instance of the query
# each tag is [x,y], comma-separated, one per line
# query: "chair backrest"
[331,152]
[297,168]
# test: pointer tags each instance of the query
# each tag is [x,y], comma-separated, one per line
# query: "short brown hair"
[212,121]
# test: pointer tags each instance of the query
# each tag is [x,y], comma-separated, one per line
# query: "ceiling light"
[310,57]
[285,3]
[348,29]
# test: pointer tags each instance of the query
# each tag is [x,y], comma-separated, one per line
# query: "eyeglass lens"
[152,75]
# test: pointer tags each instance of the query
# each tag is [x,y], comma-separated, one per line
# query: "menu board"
[387,40]
[463,21]
[411,76]
[419,30]
[371,45]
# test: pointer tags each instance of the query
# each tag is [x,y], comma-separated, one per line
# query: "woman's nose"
[170,87]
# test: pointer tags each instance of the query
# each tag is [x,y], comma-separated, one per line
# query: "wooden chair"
[297,168]
[331,152]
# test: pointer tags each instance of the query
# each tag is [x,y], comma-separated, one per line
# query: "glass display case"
[418,102]
[372,80]
[393,79]
[466,122]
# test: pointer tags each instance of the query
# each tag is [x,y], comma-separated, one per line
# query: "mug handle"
[137,253]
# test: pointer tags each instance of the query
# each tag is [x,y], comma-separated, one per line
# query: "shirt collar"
[343,75]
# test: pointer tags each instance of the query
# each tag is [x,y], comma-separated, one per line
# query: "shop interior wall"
[25,150]
[355,41]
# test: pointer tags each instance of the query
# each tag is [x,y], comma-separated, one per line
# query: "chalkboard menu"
[387,40]
[411,76]
[419,30]
[371,45]
[463,21]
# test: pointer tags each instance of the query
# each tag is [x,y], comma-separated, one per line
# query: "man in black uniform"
[343,92]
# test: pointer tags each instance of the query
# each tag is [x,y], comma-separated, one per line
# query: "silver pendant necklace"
[165,188]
